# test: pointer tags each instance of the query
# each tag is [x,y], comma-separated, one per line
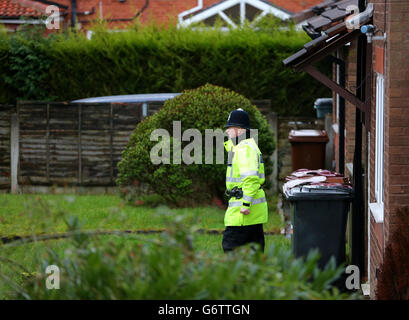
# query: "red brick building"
[120,13]
[15,13]
[370,82]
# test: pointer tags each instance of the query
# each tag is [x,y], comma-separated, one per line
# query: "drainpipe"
[341,142]
[341,129]
[358,216]
[362,5]
[73,12]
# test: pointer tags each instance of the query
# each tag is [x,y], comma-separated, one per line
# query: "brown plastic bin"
[308,148]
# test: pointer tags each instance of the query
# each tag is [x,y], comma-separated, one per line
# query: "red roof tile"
[13,9]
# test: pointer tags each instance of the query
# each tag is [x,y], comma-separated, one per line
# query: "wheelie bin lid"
[323,102]
[308,135]
[317,192]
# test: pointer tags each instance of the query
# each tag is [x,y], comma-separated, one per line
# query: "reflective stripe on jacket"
[245,169]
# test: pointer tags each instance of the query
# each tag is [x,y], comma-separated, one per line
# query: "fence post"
[79,144]
[47,141]
[111,141]
[14,152]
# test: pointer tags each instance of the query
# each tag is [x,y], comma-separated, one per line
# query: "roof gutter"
[34,21]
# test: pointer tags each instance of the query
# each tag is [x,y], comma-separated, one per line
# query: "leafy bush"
[149,60]
[25,65]
[207,107]
[170,267]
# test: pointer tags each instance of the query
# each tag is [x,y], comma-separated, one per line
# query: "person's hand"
[245,211]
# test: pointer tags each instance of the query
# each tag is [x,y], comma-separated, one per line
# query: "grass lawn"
[19,214]
[44,214]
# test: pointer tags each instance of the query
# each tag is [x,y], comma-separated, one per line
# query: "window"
[377,207]
[379,138]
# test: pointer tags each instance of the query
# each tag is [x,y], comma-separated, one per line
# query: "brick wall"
[395,21]
[350,84]
[161,11]
[376,229]
[395,65]
[397,112]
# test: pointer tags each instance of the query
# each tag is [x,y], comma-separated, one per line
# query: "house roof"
[329,31]
[12,9]
[333,13]
[335,30]
[288,6]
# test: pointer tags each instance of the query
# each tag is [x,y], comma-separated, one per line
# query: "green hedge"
[69,66]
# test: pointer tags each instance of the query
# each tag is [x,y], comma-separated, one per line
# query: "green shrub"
[169,267]
[25,65]
[206,107]
[149,60]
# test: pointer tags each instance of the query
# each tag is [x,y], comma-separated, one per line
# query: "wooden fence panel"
[153,107]
[73,144]
[125,118]
[95,147]
[81,144]
[32,118]
[62,144]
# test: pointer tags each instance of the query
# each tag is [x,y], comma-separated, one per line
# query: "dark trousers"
[234,237]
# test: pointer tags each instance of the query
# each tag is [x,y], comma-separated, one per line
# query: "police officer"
[247,210]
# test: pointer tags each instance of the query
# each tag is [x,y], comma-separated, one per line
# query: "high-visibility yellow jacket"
[245,169]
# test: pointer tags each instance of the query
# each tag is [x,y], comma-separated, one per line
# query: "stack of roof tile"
[14,9]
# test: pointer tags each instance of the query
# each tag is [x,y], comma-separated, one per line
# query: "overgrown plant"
[170,267]
[153,59]
[27,68]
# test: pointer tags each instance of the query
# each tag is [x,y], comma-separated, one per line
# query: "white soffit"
[217,10]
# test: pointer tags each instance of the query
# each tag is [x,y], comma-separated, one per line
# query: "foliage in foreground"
[169,267]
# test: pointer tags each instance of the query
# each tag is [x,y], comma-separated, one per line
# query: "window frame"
[378,206]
